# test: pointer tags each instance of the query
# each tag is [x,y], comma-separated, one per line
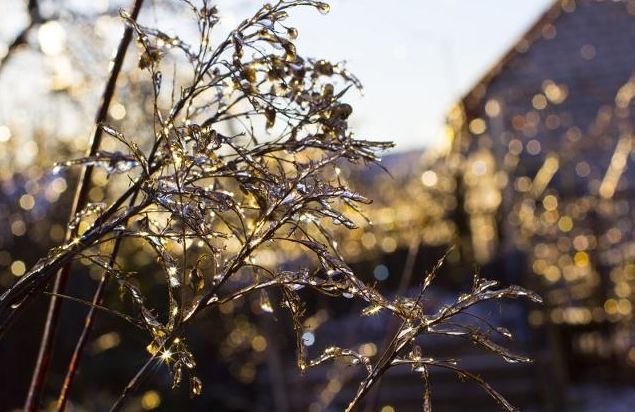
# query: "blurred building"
[543,148]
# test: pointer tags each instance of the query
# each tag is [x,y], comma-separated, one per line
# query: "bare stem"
[88,326]
[81,197]
[406,277]
[132,385]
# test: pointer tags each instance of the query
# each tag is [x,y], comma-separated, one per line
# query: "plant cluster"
[243,156]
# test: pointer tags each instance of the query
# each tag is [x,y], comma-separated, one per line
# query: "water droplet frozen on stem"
[265,302]
[323,8]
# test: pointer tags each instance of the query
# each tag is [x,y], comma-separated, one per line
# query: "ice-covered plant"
[242,156]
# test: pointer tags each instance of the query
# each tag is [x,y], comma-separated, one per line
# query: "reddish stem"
[81,198]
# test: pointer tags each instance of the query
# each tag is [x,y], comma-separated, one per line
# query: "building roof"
[540,29]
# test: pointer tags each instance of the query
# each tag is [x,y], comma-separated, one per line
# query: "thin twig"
[73,364]
[406,277]
[132,385]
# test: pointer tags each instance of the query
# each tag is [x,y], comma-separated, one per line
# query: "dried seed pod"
[149,57]
[323,67]
[249,73]
[270,115]
[292,32]
[196,386]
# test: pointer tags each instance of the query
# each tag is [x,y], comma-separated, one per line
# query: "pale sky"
[415,57]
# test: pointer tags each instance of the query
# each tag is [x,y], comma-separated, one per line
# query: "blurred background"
[514,130]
